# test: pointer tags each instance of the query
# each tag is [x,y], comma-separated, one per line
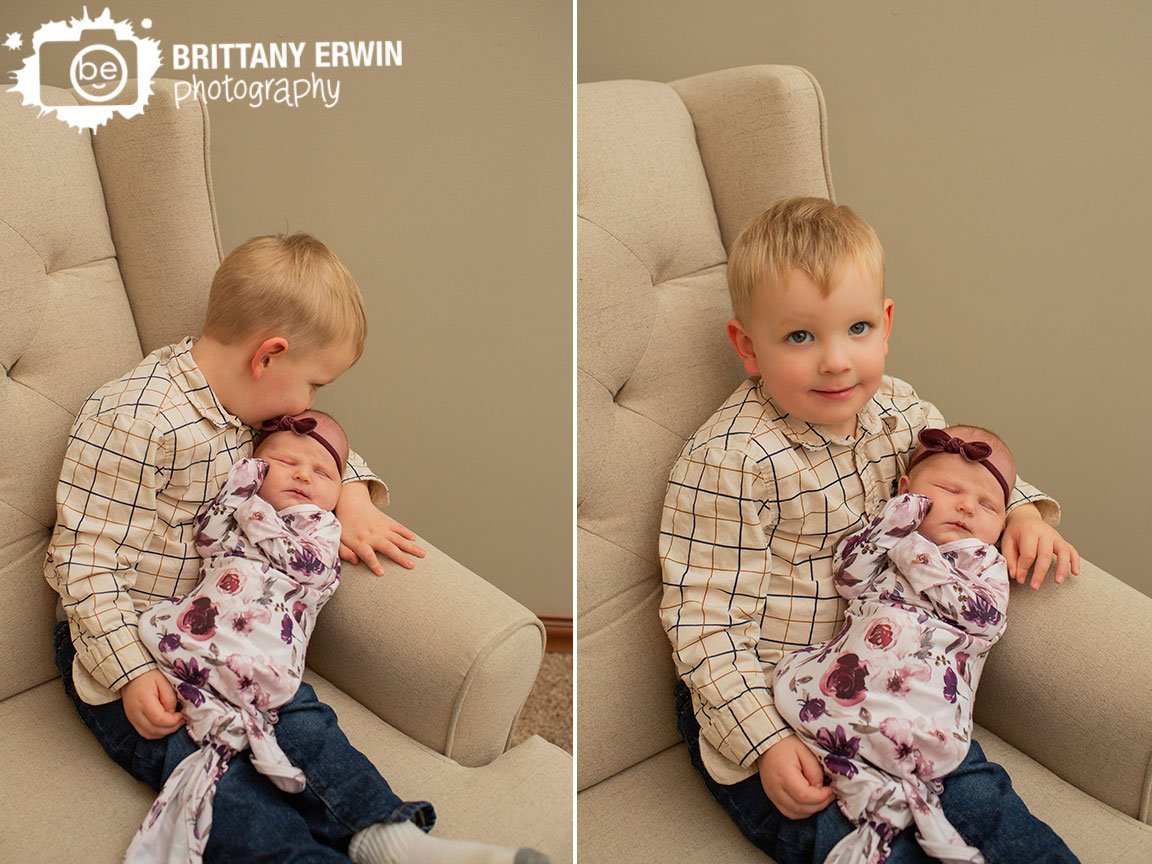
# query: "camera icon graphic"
[88,70]
[97,67]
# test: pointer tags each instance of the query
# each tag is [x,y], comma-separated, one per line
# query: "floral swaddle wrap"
[886,704]
[234,649]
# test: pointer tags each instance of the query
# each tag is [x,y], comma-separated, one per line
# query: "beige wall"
[445,186]
[1001,151]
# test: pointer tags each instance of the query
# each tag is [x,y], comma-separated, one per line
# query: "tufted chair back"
[108,244]
[668,176]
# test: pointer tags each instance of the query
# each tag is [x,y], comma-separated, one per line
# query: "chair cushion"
[665,791]
[50,763]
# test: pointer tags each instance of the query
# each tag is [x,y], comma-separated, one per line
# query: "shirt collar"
[815,437]
[184,371]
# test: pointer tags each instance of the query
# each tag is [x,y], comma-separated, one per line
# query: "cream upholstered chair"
[108,244]
[668,175]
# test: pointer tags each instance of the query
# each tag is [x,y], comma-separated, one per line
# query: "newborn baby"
[234,647]
[886,704]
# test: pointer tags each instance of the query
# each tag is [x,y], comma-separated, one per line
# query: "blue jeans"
[978,800]
[253,821]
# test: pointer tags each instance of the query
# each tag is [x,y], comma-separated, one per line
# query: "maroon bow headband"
[936,441]
[301,426]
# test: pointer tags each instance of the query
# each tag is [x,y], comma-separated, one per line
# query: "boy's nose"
[834,359]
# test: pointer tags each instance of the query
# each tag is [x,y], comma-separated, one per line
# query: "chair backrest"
[668,175]
[108,244]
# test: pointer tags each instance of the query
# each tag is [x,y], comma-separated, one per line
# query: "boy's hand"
[364,531]
[150,705]
[1031,543]
[793,779]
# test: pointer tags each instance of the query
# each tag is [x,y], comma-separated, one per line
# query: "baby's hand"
[793,779]
[364,531]
[1031,543]
[150,705]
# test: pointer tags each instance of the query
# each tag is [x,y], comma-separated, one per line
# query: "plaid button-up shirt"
[756,503]
[145,454]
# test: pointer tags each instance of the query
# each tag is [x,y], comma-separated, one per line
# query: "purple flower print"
[962,663]
[199,619]
[169,643]
[812,709]
[980,611]
[192,678]
[840,751]
[306,562]
[286,629]
[298,610]
[950,685]
[844,680]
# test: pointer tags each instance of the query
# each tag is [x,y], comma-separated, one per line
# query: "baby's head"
[968,472]
[305,456]
[806,280]
[290,316]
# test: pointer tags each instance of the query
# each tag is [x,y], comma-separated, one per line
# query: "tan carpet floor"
[548,711]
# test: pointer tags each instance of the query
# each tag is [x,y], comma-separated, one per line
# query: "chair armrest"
[436,652]
[1070,684]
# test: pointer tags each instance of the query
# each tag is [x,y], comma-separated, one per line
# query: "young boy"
[146,453]
[802,454]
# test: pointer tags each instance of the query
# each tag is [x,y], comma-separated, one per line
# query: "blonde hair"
[286,284]
[814,235]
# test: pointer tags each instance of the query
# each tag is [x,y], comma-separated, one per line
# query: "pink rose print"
[199,619]
[229,582]
[898,681]
[882,634]
[844,680]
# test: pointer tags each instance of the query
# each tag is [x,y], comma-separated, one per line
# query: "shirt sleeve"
[716,566]
[106,512]
[355,468]
[1022,493]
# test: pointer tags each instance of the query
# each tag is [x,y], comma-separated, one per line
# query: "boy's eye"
[798,337]
[859,328]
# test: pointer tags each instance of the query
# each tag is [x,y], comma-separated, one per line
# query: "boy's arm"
[364,529]
[356,470]
[975,604]
[716,566]
[106,511]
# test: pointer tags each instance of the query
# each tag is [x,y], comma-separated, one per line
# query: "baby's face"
[967,500]
[300,471]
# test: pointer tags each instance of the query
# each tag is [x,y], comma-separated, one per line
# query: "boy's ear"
[888,307]
[265,351]
[902,486]
[742,342]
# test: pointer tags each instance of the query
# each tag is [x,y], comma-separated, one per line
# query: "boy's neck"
[218,363]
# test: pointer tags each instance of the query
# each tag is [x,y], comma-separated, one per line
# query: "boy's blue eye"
[799,337]
[859,328]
